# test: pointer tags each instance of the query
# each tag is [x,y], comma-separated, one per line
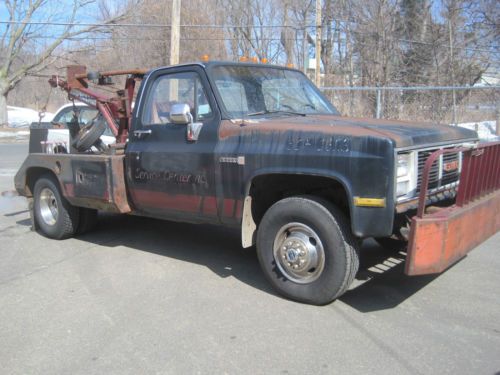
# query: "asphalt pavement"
[142,296]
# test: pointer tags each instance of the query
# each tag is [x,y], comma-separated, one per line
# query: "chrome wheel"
[48,207]
[299,253]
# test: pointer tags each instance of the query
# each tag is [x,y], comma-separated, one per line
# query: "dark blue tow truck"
[260,148]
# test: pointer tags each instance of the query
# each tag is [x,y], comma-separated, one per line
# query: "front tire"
[306,250]
[54,215]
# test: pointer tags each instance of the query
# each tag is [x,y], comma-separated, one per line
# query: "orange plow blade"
[440,239]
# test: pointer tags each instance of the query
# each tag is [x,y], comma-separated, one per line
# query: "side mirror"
[180,114]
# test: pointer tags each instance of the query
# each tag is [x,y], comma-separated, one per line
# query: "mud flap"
[440,239]
[31,208]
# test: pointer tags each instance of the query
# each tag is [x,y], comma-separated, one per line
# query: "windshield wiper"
[266,112]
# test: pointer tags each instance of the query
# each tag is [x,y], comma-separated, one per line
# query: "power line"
[160,39]
[161,25]
[408,88]
[470,49]
[152,25]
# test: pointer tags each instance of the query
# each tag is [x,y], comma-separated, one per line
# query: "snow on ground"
[19,117]
[11,134]
[485,129]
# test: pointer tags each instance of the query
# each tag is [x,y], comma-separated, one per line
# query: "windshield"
[262,90]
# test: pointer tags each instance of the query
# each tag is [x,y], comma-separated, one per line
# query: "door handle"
[140,133]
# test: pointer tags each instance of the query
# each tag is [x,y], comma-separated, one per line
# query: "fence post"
[455,121]
[497,118]
[496,99]
[379,103]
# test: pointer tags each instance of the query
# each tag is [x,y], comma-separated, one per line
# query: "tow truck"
[258,147]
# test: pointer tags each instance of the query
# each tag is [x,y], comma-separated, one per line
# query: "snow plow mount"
[442,237]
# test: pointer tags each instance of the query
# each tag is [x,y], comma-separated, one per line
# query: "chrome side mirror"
[180,114]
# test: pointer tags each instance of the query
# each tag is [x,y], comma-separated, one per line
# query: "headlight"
[405,174]
[403,167]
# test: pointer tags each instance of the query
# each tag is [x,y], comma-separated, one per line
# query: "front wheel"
[306,250]
[54,215]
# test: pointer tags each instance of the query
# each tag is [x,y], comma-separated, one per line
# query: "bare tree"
[381,42]
[29,40]
[295,36]
[249,27]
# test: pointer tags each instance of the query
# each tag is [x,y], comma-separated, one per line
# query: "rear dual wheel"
[306,250]
[54,215]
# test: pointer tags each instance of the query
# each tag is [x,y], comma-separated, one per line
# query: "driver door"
[170,176]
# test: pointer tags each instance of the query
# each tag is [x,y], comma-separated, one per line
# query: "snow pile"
[20,134]
[19,117]
[486,130]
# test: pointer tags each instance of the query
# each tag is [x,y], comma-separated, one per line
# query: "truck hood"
[406,133]
[402,133]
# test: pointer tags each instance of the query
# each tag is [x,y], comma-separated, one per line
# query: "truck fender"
[248,224]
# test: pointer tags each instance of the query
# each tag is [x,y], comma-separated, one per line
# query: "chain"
[76,111]
[41,113]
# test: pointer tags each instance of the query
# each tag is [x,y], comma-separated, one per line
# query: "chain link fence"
[438,104]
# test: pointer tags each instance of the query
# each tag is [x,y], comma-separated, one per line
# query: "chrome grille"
[438,177]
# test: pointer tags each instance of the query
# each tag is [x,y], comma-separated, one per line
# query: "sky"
[60,9]
[52,11]
[56,11]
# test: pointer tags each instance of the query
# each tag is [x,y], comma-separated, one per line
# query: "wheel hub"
[48,207]
[292,255]
[299,253]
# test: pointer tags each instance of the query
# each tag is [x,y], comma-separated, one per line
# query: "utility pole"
[175,32]
[317,77]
